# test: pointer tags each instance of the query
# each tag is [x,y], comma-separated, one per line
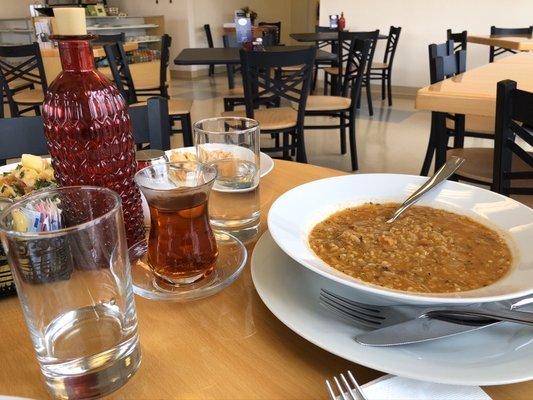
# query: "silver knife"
[417,330]
[424,329]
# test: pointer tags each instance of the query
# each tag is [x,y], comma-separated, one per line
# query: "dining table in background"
[511,42]
[226,346]
[325,36]
[473,92]
[230,56]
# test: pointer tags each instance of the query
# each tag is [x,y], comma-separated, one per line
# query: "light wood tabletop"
[228,346]
[474,91]
[521,43]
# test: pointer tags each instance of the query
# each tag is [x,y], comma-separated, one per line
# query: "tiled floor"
[393,140]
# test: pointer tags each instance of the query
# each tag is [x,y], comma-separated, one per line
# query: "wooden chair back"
[392,45]
[209,36]
[355,70]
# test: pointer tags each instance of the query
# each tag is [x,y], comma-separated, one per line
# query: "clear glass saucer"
[232,256]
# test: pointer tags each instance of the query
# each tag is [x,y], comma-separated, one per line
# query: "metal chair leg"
[343,132]
[389,88]
[353,144]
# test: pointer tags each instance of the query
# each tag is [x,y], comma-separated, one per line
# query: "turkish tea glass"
[182,248]
[68,255]
[231,144]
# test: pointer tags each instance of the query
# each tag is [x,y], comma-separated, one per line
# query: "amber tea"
[181,243]
[181,246]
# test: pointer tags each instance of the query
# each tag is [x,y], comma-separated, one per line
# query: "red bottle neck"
[76,55]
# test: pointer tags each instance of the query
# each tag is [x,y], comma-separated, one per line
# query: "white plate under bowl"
[295,213]
[266,162]
[495,355]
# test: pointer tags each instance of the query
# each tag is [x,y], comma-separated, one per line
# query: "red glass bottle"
[89,132]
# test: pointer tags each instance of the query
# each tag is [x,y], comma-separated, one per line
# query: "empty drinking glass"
[232,146]
[67,251]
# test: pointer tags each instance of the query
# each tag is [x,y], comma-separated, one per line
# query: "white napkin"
[391,387]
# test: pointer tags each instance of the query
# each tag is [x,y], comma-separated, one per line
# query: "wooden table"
[520,43]
[98,51]
[228,346]
[474,91]
[471,93]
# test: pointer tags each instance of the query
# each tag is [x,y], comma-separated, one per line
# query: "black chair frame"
[353,77]
[442,67]
[119,66]
[385,75]
[513,119]
[460,39]
[26,134]
[31,70]
[342,49]
[265,84]
[162,89]
[210,44]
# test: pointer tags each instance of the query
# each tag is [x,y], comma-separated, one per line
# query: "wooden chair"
[264,84]
[209,38]
[147,88]
[178,109]
[383,71]
[337,71]
[456,125]
[460,39]
[277,36]
[26,134]
[321,46]
[102,40]
[512,165]
[344,107]
[496,51]
[25,79]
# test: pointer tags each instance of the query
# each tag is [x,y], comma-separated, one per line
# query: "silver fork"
[354,391]
[376,317]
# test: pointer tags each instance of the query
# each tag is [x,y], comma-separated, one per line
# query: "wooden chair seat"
[270,118]
[175,106]
[292,68]
[331,70]
[479,162]
[475,123]
[34,96]
[380,65]
[236,92]
[327,103]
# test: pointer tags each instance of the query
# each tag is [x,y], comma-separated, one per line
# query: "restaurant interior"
[206,199]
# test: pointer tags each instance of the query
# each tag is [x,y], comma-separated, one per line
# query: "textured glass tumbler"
[74,284]
[232,145]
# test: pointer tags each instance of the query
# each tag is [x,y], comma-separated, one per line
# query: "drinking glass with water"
[232,146]
[67,251]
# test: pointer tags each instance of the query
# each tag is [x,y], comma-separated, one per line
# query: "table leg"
[231,76]
[441,135]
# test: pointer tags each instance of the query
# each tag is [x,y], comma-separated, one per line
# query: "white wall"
[424,22]
[184,19]
[15,8]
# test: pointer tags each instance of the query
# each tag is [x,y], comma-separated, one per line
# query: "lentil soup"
[427,250]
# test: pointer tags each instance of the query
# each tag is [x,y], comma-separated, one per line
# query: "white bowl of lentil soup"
[459,244]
